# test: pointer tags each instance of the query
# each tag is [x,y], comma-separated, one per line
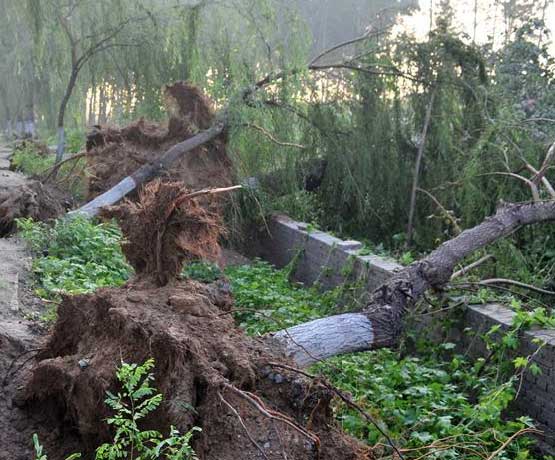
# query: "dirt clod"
[31,199]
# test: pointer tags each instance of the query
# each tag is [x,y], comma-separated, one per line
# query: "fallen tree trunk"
[149,171]
[379,324]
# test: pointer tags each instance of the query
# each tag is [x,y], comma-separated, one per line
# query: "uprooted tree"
[379,324]
[206,366]
[244,392]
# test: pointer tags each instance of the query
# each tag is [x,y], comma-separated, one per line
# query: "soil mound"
[165,228]
[31,199]
[114,153]
[210,373]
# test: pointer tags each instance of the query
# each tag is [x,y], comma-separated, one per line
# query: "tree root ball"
[114,153]
[165,228]
[211,375]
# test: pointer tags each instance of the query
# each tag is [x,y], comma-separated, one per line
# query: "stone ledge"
[322,258]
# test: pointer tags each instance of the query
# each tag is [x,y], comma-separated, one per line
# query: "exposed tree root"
[200,357]
[164,228]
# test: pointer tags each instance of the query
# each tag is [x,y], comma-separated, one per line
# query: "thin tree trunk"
[92,102]
[379,324]
[420,154]
[102,105]
[62,112]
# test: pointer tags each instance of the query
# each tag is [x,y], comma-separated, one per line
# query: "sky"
[489,23]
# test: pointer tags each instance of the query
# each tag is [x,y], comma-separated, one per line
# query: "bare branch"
[257,403]
[533,187]
[416,176]
[346,399]
[463,271]
[242,423]
[443,210]
[362,38]
[270,136]
[548,159]
[495,281]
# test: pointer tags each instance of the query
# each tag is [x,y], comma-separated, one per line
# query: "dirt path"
[14,260]
[18,336]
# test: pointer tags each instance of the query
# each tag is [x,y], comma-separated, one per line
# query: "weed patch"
[74,256]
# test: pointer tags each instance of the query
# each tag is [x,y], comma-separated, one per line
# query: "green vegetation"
[31,162]
[136,400]
[491,104]
[442,402]
[74,256]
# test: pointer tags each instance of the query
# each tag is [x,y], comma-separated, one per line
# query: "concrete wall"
[320,257]
[327,260]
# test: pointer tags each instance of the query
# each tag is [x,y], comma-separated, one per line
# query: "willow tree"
[104,46]
[18,89]
[83,30]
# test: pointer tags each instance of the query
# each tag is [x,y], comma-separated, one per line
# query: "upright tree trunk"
[61,115]
[102,105]
[419,155]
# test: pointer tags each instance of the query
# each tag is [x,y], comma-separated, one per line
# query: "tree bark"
[379,324]
[62,112]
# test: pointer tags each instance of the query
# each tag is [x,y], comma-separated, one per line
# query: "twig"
[494,281]
[364,37]
[272,138]
[207,191]
[346,400]
[548,159]
[510,439]
[232,409]
[51,168]
[544,180]
[473,265]
[470,286]
[441,310]
[533,187]
[443,210]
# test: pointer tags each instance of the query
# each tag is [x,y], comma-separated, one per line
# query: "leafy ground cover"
[436,403]
[74,256]
[136,399]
